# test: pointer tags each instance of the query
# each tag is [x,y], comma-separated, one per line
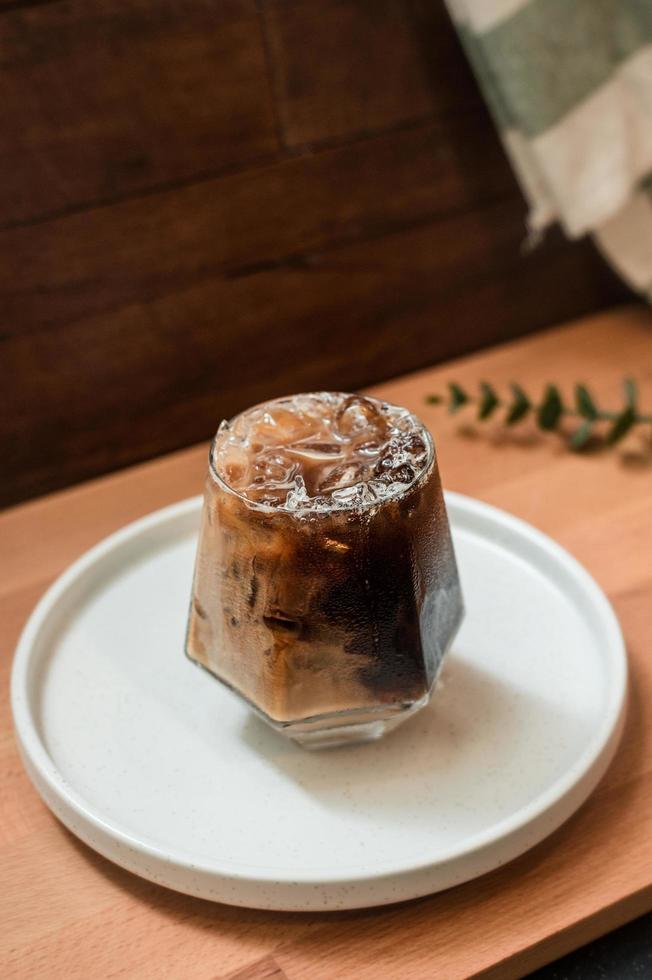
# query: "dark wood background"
[207,202]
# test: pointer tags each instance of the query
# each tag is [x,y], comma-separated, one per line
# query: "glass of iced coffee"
[326,591]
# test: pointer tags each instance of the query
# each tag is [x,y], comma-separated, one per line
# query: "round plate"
[159,768]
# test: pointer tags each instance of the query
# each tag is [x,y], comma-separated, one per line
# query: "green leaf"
[631,392]
[621,425]
[550,409]
[520,406]
[458,397]
[581,436]
[585,404]
[434,399]
[488,401]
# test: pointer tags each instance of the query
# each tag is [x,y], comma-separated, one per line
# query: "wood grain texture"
[323,96]
[267,969]
[102,100]
[77,265]
[402,62]
[69,913]
[380,308]
[203,204]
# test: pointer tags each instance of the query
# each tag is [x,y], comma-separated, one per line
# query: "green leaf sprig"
[551,409]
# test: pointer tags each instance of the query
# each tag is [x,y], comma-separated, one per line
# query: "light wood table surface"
[66,912]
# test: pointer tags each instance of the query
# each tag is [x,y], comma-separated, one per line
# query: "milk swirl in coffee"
[325,588]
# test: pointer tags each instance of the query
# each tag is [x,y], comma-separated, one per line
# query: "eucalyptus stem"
[551,408]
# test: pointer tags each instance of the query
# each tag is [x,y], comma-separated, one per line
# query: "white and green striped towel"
[569,83]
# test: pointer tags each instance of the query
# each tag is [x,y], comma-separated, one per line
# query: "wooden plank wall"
[208,202]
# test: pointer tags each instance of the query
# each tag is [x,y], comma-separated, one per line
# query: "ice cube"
[298,496]
[273,469]
[234,465]
[358,414]
[344,475]
[359,494]
[313,450]
[279,426]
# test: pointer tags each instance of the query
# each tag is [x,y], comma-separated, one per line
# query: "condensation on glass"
[326,591]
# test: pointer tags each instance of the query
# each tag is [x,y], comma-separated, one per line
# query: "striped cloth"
[569,83]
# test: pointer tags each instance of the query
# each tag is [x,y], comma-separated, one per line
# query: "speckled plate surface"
[160,769]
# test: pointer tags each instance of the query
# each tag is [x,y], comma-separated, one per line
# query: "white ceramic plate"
[155,765]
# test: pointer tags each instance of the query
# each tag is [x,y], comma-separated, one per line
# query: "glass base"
[328,731]
[348,727]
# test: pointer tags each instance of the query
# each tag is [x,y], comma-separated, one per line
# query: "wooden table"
[67,912]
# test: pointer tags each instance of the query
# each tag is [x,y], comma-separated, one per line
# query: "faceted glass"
[326,590]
